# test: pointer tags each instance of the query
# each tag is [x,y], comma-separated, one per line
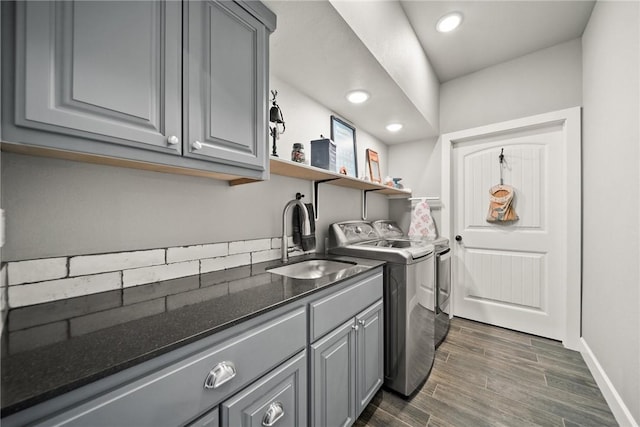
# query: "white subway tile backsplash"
[237,260]
[197,252]
[36,293]
[44,280]
[140,276]
[91,264]
[276,242]
[263,256]
[222,263]
[244,246]
[36,270]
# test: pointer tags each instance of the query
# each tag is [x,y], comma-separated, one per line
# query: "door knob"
[173,140]
[458,238]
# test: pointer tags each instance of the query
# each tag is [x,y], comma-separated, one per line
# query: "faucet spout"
[305,226]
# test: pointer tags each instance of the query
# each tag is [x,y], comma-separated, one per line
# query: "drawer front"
[329,312]
[279,399]
[177,393]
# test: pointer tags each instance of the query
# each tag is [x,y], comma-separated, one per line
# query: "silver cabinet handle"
[196,145]
[355,327]
[273,414]
[220,374]
[362,322]
[173,140]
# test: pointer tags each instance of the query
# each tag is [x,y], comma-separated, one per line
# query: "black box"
[323,154]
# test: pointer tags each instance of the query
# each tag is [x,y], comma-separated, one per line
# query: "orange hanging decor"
[501,204]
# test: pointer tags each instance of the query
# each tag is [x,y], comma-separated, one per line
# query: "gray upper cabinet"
[225,82]
[106,71]
[165,83]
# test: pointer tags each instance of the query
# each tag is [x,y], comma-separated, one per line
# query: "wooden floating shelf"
[311,173]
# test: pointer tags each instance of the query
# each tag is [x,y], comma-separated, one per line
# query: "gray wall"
[58,207]
[611,193]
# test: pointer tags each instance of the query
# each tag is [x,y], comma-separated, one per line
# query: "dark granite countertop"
[100,334]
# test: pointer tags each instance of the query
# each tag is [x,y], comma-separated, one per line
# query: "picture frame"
[343,136]
[374,166]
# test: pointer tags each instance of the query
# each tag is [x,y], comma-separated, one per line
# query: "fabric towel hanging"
[306,242]
[501,204]
[422,224]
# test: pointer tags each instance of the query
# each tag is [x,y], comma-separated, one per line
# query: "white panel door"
[511,274]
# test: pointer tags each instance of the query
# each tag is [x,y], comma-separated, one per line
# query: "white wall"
[306,120]
[58,207]
[418,164]
[547,80]
[384,28]
[611,193]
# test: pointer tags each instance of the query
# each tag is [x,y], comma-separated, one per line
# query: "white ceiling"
[314,50]
[493,31]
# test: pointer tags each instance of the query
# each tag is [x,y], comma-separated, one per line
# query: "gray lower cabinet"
[347,365]
[317,361]
[279,399]
[210,419]
[164,82]
[369,354]
[334,377]
[184,390]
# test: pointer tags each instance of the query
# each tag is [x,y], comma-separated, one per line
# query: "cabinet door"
[99,70]
[333,381]
[278,399]
[210,419]
[225,89]
[370,362]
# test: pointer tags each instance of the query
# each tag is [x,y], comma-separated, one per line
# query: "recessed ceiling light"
[357,96]
[394,127]
[449,22]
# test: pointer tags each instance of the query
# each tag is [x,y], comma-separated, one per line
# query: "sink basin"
[311,269]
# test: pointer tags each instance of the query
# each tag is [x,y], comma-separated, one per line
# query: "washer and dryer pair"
[389,229]
[415,308]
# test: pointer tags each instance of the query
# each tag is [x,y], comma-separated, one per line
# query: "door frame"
[569,119]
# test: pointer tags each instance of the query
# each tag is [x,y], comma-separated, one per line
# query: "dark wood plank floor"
[489,376]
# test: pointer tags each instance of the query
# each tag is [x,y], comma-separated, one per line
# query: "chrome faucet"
[305,226]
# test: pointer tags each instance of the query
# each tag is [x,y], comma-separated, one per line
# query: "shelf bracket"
[315,197]
[364,202]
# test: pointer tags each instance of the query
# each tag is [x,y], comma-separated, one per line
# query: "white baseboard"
[618,408]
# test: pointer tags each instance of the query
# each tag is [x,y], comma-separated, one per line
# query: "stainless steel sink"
[311,269]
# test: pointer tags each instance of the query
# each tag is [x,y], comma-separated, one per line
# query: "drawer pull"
[222,373]
[273,414]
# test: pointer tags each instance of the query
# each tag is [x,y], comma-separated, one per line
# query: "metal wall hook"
[501,158]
